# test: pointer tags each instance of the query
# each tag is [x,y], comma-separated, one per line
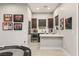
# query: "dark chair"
[27,51]
[6,54]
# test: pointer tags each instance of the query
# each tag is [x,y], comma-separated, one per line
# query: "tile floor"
[36,51]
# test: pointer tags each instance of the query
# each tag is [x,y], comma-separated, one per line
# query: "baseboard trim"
[50,48]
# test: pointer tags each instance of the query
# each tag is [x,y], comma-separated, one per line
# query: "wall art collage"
[65,23]
[12,22]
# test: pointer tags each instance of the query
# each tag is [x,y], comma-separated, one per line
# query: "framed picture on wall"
[7,17]
[68,23]
[57,21]
[62,24]
[7,25]
[42,23]
[17,26]
[18,17]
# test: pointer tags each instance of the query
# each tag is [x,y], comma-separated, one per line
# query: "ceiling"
[43,7]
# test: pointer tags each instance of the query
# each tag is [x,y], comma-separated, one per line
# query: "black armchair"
[7,51]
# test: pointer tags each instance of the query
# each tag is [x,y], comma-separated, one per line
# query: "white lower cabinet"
[51,42]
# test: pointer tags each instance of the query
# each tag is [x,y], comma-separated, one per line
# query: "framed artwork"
[68,23]
[7,25]
[7,17]
[42,23]
[62,24]
[57,21]
[17,26]
[18,18]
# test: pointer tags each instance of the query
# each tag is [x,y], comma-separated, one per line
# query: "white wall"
[14,37]
[29,12]
[70,36]
[42,16]
[29,19]
[78,29]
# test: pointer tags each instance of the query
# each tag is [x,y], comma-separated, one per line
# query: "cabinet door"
[34,23]
[50,22]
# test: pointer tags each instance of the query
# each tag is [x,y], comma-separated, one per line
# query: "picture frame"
[68,23]
[7,17]
[7,25]
[17,26]
[42,23]
[62,23]
[57,22]
[18,17]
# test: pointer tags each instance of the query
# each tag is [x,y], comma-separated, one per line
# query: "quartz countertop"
[51,35]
